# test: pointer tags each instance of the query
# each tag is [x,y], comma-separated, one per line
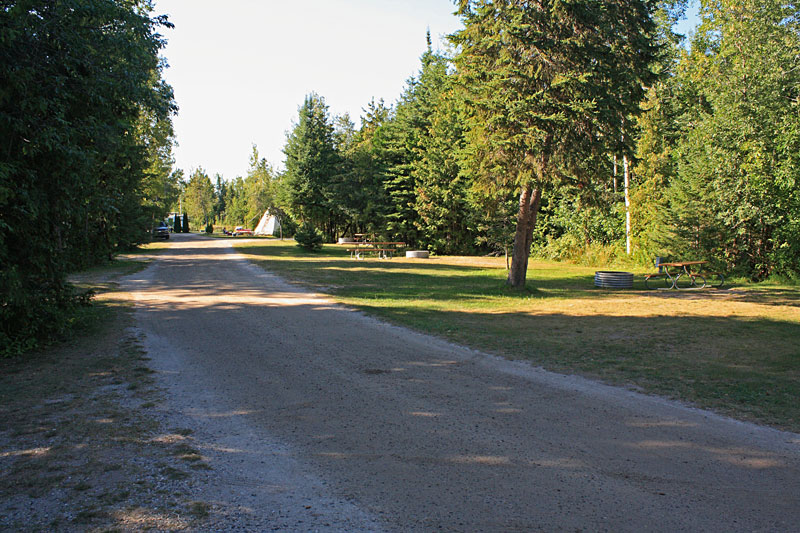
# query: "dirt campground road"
[314,417]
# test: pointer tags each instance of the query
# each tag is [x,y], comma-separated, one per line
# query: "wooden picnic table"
[385,250]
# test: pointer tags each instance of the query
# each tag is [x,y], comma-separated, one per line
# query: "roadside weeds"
[82,446]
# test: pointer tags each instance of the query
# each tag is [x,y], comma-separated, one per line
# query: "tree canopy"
[549,89]
[515,135]
[86,137]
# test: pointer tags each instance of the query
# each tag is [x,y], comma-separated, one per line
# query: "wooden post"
[627,204]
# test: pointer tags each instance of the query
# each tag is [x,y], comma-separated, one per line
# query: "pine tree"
[445,215]
[359,188]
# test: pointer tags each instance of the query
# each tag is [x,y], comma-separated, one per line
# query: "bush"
[209,228]
[308,237]
[185,223]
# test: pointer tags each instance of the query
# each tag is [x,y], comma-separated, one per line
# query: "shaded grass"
[75,426]
[733,350]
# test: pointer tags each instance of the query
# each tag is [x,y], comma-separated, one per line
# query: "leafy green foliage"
[735,198]
[86,137]
[718,144]
[199,198]
[260,187]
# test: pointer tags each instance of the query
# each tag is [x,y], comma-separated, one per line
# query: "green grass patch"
[733,350]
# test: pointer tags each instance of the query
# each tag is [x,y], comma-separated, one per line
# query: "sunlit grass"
[733,350]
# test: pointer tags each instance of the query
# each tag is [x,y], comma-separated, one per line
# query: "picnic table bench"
[682,276]
[384,250]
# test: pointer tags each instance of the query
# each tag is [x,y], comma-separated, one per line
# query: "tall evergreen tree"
[220,198]
[312,164]
[550,88]
[359,187]
[445,215]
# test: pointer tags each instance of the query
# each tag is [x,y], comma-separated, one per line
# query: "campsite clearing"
[733,350]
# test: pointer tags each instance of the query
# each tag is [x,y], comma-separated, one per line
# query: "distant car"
[239,230]
[161,231]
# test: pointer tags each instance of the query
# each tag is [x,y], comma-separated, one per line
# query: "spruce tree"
[312,164]
[550,88]
[445,215]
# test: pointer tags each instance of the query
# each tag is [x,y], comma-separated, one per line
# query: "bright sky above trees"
[241,69]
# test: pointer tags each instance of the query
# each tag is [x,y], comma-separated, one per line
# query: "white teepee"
[268,225]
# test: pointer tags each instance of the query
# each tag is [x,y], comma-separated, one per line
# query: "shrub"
[176,224]
[185,223]
[209,228]
[308,237]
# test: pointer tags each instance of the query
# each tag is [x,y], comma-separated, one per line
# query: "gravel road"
[314,417]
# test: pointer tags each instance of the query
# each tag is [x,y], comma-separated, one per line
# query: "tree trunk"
[529,201]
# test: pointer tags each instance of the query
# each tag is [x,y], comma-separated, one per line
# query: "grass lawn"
[735,350]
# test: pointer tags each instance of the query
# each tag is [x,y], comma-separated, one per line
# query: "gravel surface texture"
[314,417]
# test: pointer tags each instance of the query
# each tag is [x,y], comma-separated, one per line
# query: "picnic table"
[384,250]
[682,275]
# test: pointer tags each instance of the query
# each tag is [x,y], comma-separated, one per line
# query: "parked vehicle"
[161,231]
[239,230]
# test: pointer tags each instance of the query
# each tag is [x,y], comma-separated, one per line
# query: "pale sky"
[241,68]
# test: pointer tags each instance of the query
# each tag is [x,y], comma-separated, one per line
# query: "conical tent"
[268,225]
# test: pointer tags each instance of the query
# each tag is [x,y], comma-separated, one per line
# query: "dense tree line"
[86,137]
[719,143]
[529,134]
[543,129]
[236,202]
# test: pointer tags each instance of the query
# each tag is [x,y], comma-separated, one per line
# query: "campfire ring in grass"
[613,280]
[420,254]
